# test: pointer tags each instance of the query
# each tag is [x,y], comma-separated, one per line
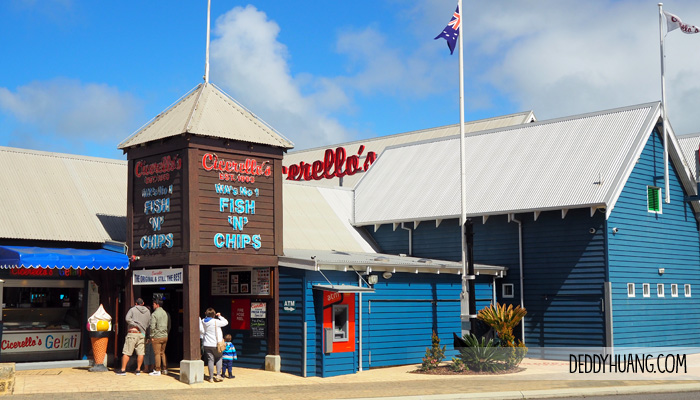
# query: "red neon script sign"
[335,163]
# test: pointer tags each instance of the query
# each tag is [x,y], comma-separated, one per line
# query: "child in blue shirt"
[227,358]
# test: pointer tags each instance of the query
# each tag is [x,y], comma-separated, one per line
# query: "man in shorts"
[137,320]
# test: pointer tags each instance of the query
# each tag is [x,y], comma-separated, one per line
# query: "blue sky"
[79,76]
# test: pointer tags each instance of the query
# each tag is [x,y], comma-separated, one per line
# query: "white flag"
[673,22]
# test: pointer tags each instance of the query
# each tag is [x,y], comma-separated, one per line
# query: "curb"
[550,393]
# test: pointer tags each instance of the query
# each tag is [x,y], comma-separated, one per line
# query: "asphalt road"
[641,396]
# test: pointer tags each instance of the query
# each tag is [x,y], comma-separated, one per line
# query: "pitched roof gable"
[61,197]
[208,111]
[572,162]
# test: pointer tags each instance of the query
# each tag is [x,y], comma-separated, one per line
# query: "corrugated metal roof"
[378,144]
[60,197]
[689,145]
[318,218]
[208,111]
[374,262]
[578,161]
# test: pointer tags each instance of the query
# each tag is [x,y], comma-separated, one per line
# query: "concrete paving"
[538,379]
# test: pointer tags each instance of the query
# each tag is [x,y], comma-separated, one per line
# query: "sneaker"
[154,373]
[137,372]
[164,372]
[232,376]
[120,372]
[218,379]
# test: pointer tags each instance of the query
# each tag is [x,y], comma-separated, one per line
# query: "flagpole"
[465,295]
[206,61]
[663,105]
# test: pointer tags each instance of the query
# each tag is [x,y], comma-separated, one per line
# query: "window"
[687,289]
[507,290]
[660,289]
[654,199]
[340,323]
[646,290]
[630,290]
[674,290]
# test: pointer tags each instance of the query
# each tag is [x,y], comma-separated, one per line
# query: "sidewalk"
[540,378]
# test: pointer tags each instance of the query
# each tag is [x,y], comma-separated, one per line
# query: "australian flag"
[451,31]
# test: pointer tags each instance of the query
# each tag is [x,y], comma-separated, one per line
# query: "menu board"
[258,327]
[226,281]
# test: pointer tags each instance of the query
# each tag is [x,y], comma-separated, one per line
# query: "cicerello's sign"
[335,164]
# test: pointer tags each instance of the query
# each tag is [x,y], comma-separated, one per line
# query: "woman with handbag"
[212,340]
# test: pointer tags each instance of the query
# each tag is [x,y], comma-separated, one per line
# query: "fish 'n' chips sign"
[157,203]
[236,194]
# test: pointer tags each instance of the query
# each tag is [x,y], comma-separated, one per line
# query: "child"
[227,358]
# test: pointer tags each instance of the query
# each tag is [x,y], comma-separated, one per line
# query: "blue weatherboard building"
[574,218]
[570,220]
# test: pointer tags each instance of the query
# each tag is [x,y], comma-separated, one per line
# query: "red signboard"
[240,314]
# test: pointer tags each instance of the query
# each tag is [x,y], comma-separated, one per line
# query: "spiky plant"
[482,356]
[503,319]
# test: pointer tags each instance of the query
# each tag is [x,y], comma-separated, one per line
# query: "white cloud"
[72,110]
[253,66]
[567,57]
[250,63]
[382,67]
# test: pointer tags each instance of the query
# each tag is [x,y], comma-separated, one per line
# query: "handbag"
[220,344]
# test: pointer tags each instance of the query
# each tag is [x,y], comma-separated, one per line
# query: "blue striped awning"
[61,258]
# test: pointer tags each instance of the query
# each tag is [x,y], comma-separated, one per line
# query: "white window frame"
[630,290]
[686,290]
[345,329]
[503,291]
[659,200]
[674,290]
[646,290]
[660,290]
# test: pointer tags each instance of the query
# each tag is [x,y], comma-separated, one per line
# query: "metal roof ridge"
[524,113]
[688,136]
[64,156]
[520,126]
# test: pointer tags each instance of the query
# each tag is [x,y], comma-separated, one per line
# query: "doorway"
[173,305]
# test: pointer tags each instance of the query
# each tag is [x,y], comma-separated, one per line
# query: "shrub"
[482,356]
[457,365]
[503,320]
[515,354]
[433,354]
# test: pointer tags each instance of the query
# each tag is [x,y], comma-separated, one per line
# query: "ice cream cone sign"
[100,321]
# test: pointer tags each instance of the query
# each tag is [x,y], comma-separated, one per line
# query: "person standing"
[137,320]
[210,331]
[227,357]
[160,327]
